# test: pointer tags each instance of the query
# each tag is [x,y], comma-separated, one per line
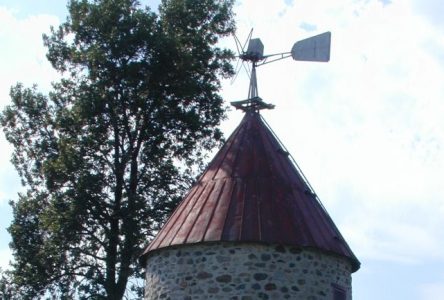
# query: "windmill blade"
[247,41]
[239,47]
[236,70]
[238,44]
[240,50]
[316,48]
[247,69]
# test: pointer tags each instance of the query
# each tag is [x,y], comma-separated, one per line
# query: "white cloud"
[432,291]
[5,257]
[22,59]
[430,11]
[22,53]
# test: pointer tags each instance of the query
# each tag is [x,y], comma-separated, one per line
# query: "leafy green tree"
[108,153]
[7,288]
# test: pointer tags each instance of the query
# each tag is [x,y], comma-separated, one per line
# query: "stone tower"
[250,228]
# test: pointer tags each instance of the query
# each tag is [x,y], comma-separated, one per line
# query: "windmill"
[315,48]
[250,212]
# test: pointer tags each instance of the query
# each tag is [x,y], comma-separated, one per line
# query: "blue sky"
[367,128]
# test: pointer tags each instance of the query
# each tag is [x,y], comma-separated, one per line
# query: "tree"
[6,286]
[108,153]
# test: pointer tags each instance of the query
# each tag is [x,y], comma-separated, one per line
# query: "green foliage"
[108,153]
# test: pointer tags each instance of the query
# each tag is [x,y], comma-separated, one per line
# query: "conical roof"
[253,192]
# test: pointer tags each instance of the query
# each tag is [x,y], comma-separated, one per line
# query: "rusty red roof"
[253,192]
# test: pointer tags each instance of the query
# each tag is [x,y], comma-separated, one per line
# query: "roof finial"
[316,48]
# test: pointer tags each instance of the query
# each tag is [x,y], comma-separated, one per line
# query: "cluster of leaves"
[107,154]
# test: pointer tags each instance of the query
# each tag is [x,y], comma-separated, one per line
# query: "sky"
[367,128]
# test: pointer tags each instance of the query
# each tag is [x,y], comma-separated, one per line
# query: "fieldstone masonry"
[245,272]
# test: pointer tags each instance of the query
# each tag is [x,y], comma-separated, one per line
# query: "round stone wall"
[245,272]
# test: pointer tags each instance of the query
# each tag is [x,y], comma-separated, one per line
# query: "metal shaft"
[252,91]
